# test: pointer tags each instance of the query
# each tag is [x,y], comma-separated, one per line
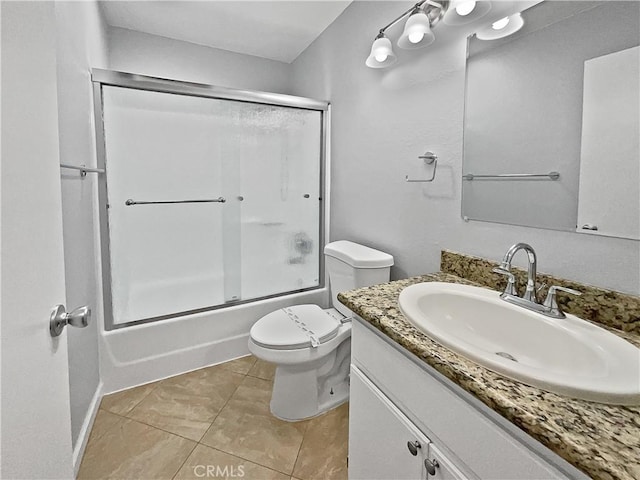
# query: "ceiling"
[278,30]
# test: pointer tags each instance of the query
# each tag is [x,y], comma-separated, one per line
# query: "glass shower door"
[280,214]
[167,259]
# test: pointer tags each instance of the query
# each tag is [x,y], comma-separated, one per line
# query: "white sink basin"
[567,356]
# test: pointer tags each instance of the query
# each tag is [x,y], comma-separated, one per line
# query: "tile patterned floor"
[212,423]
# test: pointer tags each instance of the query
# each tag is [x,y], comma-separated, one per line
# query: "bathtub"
[148,352]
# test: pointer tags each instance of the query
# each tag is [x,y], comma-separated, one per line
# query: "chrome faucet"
[530,292]
[529,300]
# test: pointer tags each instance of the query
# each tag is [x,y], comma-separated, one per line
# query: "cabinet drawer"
[486,449]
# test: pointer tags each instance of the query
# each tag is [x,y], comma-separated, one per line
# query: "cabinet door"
[439,467]
[379,435]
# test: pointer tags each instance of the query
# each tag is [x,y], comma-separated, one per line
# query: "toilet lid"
[295,327]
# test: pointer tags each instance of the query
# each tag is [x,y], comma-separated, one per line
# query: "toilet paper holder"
[429,158]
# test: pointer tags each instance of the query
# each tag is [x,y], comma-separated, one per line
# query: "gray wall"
[383,119]
[146,54]
[81,45]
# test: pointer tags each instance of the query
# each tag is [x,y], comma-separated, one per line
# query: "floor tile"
[123,402]
[132,450]
[246,428]
[262,369]
[244,433]
[324,450]
[239,365]
[187,404]
[103,422]
[206,462]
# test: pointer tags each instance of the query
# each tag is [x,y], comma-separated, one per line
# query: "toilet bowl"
[311,346]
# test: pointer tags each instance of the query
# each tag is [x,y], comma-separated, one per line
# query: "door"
[36,426]
[383,443]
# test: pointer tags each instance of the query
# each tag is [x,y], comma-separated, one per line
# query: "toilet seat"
[301,326]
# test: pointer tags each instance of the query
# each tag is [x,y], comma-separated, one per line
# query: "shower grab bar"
[550,175]
[130,202]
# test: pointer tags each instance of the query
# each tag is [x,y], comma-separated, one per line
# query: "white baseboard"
[85,431]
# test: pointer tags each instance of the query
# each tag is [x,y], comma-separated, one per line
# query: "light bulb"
[417,31]
[500,24]
[502,28]
[416,37]
[381,55]
[463,12]
[465,8]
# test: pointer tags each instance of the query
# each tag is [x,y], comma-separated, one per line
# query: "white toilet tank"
[351,265]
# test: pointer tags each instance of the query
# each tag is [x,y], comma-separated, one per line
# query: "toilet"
[311,347]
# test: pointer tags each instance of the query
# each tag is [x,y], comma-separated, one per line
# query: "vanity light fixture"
[381,55]
[417,32]
[462,12]
[501,28]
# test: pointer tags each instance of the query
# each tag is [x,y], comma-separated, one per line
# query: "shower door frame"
[100,78]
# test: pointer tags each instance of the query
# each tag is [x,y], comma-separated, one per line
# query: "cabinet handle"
[413,447]
[431,466]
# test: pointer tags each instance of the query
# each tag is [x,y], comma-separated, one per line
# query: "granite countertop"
[601,440]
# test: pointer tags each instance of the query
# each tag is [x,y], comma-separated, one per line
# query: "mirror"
[552,121]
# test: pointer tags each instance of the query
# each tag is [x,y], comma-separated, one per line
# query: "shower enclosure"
[212,197]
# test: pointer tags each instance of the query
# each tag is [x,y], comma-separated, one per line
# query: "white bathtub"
[145,353]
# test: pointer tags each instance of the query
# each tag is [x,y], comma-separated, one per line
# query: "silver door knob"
[76,318]
[431,466]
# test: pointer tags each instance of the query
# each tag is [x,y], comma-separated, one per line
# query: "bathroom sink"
[567,356]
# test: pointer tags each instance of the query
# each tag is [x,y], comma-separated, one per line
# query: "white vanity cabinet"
[384,443]
[397,399]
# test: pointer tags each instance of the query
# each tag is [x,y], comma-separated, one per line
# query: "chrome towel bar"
[82,168]
[130,202]
[550,175]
